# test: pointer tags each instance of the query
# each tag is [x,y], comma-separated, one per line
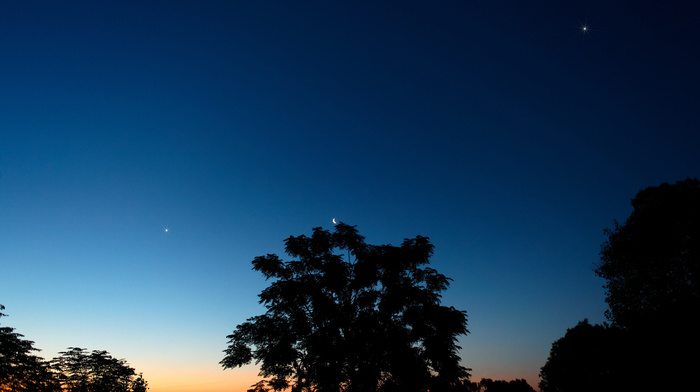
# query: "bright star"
[584,29]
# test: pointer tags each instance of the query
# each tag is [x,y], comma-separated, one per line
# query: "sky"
[149,150]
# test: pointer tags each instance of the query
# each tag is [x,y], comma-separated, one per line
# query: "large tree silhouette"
[349,316]
[651,263]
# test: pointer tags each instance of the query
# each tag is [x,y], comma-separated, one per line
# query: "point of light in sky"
[584,28]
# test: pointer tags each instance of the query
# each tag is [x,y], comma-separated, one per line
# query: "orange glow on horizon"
[201,380]
[240,380]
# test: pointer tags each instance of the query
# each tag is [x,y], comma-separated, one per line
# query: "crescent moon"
[334,222]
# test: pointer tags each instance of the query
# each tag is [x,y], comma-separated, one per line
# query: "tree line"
[346,316]
[74,370]
[651,266]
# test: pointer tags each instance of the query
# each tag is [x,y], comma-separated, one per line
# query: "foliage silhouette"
[652,269]
[651,264]
[98,371]
[20,370]
[518,385]
[74,370]
[588,357]
[489,385]
[348,316]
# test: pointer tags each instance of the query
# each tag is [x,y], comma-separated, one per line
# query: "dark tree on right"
[651,263]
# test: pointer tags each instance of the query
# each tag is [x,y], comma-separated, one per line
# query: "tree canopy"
[517,385]
[651,263]
[74,370]
[588,357]
[20,369]
[96,371]
[348,316]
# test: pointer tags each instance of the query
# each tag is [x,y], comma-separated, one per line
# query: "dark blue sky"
[496,128]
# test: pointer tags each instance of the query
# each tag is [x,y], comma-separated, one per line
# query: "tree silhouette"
[20,370]
[74,370]
[348,316]
[652,269]
[489,385]
[518,385]
[651,263]
[588,357]
[98,371]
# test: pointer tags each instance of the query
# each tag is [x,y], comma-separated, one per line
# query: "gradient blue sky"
[496,128]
